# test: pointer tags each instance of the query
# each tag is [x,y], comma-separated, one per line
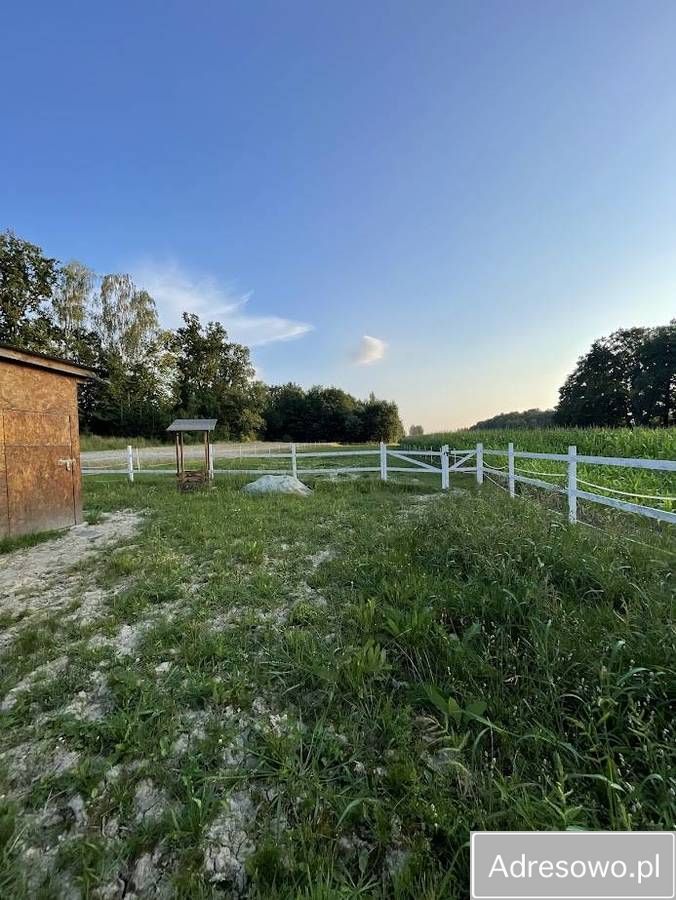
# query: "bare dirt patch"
[40,580]
[150,802]
[228,843]
[24,762]
[45,672]
[321,557]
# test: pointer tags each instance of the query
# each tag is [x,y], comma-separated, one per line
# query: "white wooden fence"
[571,486]
[438,462]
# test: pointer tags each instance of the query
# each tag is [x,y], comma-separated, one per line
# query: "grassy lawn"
[321,697]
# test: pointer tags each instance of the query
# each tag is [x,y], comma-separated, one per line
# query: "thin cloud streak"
[176,291]
[370,350]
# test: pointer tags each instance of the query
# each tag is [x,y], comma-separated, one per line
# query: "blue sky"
[480,188]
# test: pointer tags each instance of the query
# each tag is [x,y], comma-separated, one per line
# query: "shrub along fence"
[480,461]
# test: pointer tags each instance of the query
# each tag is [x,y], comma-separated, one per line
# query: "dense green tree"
[128,400]
[653,386]
[328,414]
[27,279]
[380,421]
[625,379]
[596,393]
[285,413]
[215,378]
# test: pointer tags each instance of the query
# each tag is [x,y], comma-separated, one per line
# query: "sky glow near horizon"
[443,203]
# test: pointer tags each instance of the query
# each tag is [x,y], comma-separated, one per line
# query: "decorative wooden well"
[39,442]
[192,479]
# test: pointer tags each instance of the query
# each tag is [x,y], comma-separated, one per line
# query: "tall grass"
[653,443]
[636,443]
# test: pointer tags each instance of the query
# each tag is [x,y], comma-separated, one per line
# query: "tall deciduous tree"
[653,388]
[215,378]
[71,298]
[381,421]
[285,413]
[27,279]
[136,394]
[625,379]
[125,318]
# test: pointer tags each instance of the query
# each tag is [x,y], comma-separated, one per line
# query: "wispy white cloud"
[176,291]
[370,350]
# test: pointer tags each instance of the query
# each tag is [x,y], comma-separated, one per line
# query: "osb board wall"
[4,511]
[36,390]
[29,390]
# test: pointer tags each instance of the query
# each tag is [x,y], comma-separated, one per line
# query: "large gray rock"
[277,484]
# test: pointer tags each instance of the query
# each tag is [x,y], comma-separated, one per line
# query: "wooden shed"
[39,442]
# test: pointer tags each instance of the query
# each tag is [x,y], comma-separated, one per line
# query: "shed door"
[40,471]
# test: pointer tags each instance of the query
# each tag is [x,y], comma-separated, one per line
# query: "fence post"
[572,484]
[383,461]
[130,463]
[211,462]
[138,460]
[294,464]
[445,478]
[510,468]
[479,463]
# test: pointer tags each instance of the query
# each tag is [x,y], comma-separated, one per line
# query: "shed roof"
[55,364]
[192,425]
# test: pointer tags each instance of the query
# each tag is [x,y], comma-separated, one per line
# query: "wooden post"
[178,462]
[294,464]
[138,460]
[383,461]
[445,477]
[510,468]
[130,463]
[479,463]
[572,484]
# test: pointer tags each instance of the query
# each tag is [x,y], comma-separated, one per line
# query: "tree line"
[624,380]
[529,418]
[149,374]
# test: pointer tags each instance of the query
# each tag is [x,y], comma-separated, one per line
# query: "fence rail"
[464,461]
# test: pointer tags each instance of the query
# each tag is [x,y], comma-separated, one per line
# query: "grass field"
[282,697]
[98,442]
